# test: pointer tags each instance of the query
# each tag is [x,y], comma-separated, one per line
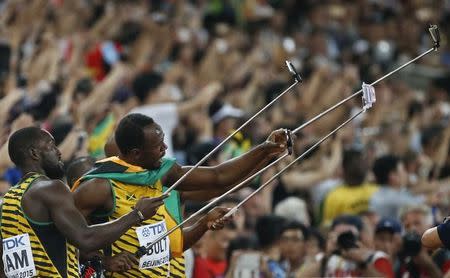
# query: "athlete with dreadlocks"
[111,188]
[40,224]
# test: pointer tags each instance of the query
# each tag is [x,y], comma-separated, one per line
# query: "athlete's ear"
[34,153]
[135,152]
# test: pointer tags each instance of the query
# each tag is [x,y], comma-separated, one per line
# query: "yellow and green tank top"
[129,183]
[31,248]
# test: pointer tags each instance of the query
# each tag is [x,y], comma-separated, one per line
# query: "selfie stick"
[368,100]
[142,250]
[297,80]
[434,32]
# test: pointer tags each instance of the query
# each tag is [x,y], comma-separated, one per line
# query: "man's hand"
[358,255]
[276,143]
[215,220]
[210,92]
[423,258]
[149,206]
[121,262]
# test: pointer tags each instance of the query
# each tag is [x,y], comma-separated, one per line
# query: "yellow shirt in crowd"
[347,199]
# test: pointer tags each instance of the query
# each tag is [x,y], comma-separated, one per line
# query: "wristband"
[140,215]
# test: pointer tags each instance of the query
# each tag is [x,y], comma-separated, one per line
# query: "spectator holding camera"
[348,253]
[416,261]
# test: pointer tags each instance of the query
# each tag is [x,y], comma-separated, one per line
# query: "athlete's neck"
[129,160]
[26,169]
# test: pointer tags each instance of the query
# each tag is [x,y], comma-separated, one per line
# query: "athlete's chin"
[54,176]
[57,173]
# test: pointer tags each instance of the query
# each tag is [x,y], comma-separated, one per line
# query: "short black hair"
[430,134]
[268,229]
[129,32]
[354,166]
[348,219]
[144,83]
[295,225]
[351,157]
[20,141]
[78,167]
[383,166]
[130,132]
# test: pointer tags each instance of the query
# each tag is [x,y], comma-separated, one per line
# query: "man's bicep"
[91,195]
[59,201]
[202,195]
[199,179]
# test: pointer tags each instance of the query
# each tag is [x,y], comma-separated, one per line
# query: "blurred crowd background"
[200,68]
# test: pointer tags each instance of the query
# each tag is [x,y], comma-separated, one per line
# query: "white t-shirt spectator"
[165,115]
[388,201]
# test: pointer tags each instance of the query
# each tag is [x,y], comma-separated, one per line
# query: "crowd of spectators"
[356,206]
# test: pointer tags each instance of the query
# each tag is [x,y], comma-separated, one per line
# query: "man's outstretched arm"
[58,199]
[213,192]
[232,171]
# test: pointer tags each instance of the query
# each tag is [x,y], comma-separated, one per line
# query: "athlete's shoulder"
[47,184]
[93,184]
[47,190]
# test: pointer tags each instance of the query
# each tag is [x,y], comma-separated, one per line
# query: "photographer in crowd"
[415,259]
[349,254]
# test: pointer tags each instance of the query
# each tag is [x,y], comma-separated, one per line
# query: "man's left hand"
[215,219]
[277,142]
[121,262]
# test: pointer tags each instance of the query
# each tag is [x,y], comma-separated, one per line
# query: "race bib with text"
[17,257]
[159,253]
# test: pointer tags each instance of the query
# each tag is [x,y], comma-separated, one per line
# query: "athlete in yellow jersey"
[39,217]
[141,170]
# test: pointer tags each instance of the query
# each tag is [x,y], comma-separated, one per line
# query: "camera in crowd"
[347,240]
[411,244]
